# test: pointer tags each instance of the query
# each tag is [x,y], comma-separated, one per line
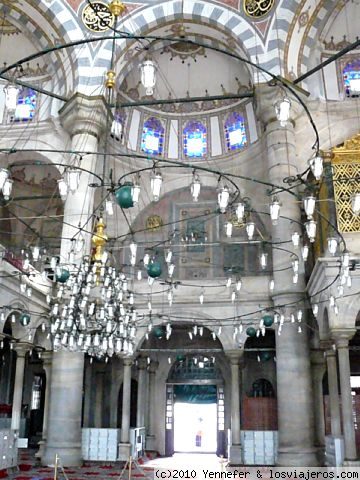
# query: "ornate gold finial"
[99,239]
[110,79]
[117,8]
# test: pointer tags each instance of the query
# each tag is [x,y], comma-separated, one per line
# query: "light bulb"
[274,211]
[316,166]
[156,182]
[332,245]
[309,206]
[195,187]
[355,203]
[250,230]
[282,110]
[223,198]
[228,229]
[148,76]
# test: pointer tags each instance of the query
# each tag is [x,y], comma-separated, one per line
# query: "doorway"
[195,427]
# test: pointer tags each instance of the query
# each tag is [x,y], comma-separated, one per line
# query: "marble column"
[47,366]
[85,120]
[318,368]
[21,350]
[99,395]
[333,393]
[294,386]
[124,445]
[141,397]
[235,457]
[342,345]
[151,437]
[64,419]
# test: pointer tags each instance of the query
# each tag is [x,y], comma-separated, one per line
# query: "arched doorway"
[195,406]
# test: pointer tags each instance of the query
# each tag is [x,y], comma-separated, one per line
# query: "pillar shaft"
[346,399]
[64,422]
[141,398]
[294,389]
[333,393]
[235,448]
[47,366]
[18,386]
[99,378]
[152,397]
[125,419]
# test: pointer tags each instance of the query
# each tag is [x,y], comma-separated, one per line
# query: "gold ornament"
[154,223]
[110,79]
[257,8]
[99,239]
[117,8]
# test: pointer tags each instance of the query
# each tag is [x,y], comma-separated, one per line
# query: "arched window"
[351,77]
[195,144]
[235,132]
[152,137]
[26,105]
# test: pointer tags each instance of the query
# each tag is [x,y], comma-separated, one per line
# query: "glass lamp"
[148,76]
[282,110]
[11,97]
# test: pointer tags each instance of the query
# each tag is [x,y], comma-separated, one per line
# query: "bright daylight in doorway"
[195,427]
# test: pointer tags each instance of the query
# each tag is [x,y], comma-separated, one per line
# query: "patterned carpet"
[29,470]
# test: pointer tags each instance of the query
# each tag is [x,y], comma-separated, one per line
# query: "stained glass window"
[351,76]
[152,137]
[26,105]
[195,144]
[235,132]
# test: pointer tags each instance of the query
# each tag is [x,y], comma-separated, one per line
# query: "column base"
[320,454]
[235,455]
[297,458]
[68,456]
[41,451]
[124,452]
[150,443]
[351,463]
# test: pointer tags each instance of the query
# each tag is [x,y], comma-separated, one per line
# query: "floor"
[28,470]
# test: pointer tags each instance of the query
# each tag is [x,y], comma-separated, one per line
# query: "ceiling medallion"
[257,8]
[154,223]
[97,17]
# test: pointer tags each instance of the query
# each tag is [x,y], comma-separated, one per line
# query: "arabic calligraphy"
[97,17]
[258,8]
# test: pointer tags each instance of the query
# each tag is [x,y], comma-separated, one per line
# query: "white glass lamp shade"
[305,252]
[156,182]
[228,229]
[316,166]
[195,188]
[295,238]
[11,97]
[7,188]
[223,198]
[332,245]
[263,260]
[311,230]
[4,175]
[135,193]
[355,203]
[250,230]
[240,211]
[309,206]
[109,207]
[274,211]
[282,110]
[148,76]
[72,179]
[116,129]
[63,188]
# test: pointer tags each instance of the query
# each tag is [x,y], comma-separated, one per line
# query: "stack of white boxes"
[100,444]
[259,447]
[334,451]
[8,450]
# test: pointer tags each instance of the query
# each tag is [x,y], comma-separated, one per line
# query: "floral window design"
[153,137]
[26,106]
[351,78]
[235,132]
[195,144]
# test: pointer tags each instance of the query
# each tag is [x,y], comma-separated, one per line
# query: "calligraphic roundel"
[97,17]
[257,8]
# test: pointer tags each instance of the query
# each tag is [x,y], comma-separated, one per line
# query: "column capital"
[47,357]
[128,361]
[267,96]
[21,348]
[141,363]
[342,336]
[154,365]
[235,356]
[85,115]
